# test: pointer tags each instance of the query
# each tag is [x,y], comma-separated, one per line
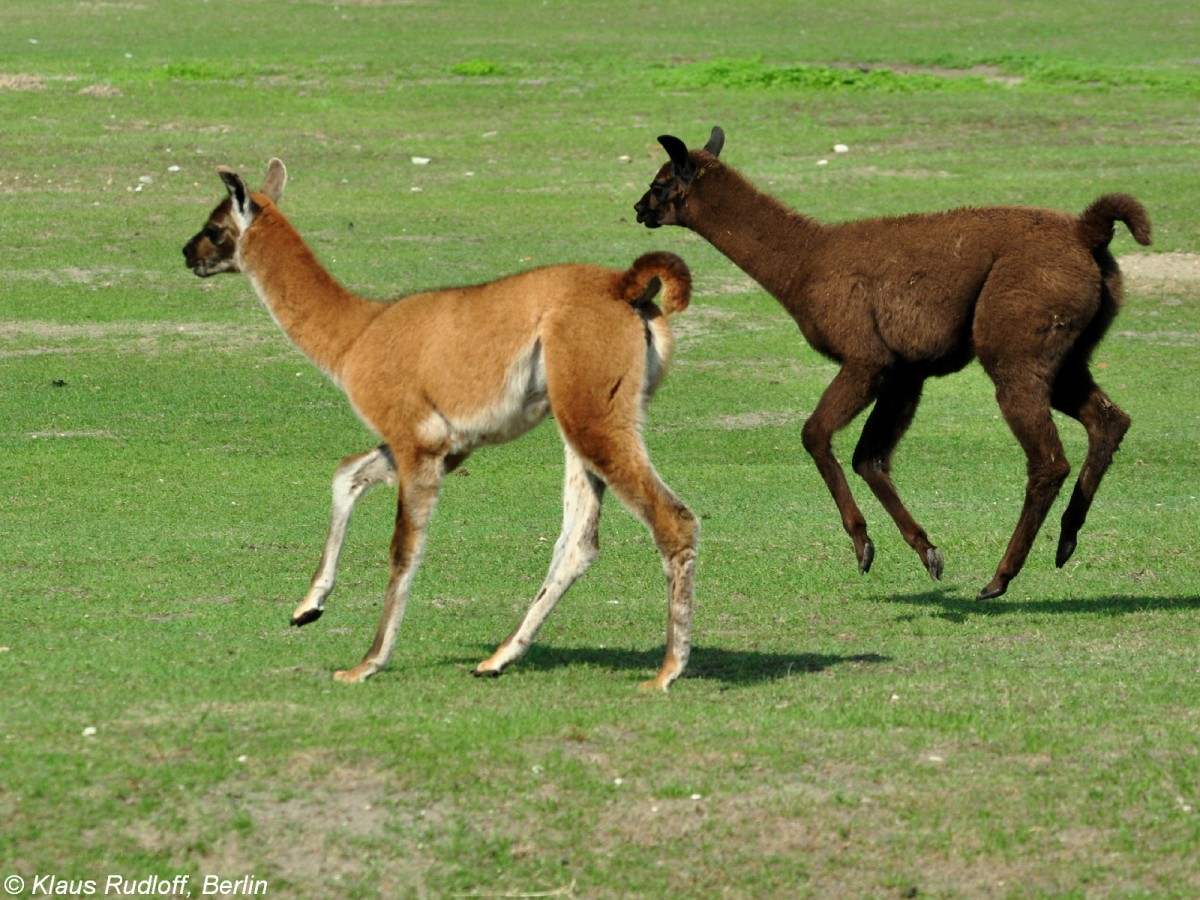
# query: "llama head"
[213,248]
[664,203]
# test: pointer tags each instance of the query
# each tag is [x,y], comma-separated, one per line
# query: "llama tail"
[648,273]
[1096,223]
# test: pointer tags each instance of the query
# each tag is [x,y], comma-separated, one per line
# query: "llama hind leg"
[1026,408]
[577,547]
[354,477]
[675,529]
[889,420]
[1077,395]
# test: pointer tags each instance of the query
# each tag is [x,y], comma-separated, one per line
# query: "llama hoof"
[991,591]
[934,561]
[866,558]
[309,615]
[1066,547]
[656,685]
[480,672]
[668,674]
[357,675]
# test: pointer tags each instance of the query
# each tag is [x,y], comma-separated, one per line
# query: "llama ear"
[276,179]
[715,141]
[677,150]
[236,187]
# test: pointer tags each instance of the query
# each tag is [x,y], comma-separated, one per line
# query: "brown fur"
[1030,292]
[439,373]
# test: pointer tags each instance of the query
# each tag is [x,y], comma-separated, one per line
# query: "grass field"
[165,457]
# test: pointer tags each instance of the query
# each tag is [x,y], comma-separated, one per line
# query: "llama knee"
[1047,477]
[579,556]
[358,474]
[1116,423]
[866,464]
[813,438]
[687,528]
[677,535]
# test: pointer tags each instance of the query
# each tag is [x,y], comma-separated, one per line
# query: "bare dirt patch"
[752,420]
[1165,280]
[1161,266]
[40,338]
[700,321]
[20,82]
[370,4]
[330,826]
[100,90]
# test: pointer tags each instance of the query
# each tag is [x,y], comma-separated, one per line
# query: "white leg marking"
[415,503]
[394,604]
[680,588]
[354,477]
[574,552]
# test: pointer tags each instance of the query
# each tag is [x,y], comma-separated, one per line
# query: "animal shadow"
[957,608]
[730,667]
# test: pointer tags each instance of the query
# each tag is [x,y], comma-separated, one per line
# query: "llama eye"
[213,234]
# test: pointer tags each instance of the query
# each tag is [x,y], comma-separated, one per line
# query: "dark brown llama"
[894,301]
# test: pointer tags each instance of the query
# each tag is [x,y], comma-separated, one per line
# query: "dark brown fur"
[1030,292]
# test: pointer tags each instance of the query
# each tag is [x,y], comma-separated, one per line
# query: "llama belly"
[929,331]
[939,346]
[454,436]
[461,421]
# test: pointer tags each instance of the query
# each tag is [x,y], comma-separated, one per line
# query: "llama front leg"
[847,395]
[577,547]
[354,477]
[416,498]
[889,420]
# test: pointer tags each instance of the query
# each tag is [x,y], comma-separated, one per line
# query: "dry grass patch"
[21,82]
[1161,266]
[101,90]
[148,338]
[754,420]
[1173,278]
[101,6]
[343,825]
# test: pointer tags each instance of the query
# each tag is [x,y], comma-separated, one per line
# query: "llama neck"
[320,316]
[767,240]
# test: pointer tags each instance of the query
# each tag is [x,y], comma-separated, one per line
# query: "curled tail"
[1096,223]
[648,273]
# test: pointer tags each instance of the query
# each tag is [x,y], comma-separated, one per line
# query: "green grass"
[165,458]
